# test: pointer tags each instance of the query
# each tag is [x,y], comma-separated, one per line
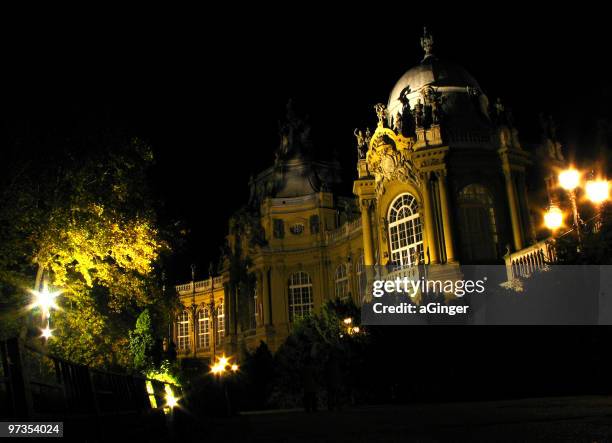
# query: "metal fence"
[34,385]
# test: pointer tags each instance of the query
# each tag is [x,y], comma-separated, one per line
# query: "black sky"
[206,89]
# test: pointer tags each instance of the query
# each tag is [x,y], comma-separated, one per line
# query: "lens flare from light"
[569,179]
[44,300]
[553,218]
[171,400]
[598,191]
[47,332]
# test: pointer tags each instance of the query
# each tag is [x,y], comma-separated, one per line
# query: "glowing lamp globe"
[597,191]
[553,218]
[569,179]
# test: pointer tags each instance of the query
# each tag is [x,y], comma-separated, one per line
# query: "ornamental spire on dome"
[427,42]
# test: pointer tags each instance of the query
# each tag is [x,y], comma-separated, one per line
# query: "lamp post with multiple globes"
[597,191]
[221,369]
[45,301]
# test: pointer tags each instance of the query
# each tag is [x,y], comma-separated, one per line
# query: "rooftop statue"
[362,144]
[381,113]
[427,42]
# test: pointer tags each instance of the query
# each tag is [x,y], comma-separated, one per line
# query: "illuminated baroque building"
[440,181]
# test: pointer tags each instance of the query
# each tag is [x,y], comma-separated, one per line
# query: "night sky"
[207,90]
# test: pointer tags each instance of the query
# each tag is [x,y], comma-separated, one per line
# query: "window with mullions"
[182,331]
[203,328]
[300,295]
[341,281]
[477,227]
[220,323]
[405,232]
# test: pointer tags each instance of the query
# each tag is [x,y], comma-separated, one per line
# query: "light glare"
[171,400]
[597,191]
[569,179]
[44,300]
[553,218]
[46,333]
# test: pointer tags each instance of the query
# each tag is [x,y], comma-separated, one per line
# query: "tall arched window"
[220,322]
[405,232]
[361,275]
[203,328]
[300,295]
[341,281]
[477,224]
[182,331]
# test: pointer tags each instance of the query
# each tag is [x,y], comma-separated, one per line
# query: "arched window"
[405,232]
[361,275]
[220,322]
[341,281]
[477,225]
[300,295]
[203,328]
[182,331]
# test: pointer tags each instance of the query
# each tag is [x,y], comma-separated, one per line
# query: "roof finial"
[427,42]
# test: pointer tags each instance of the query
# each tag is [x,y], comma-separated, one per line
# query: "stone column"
[430,233]
[368,250]
[447,219]
[514,210]
[265,297]
[529,228]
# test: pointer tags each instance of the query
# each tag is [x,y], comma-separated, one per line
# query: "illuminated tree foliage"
[142,341]
[82,218]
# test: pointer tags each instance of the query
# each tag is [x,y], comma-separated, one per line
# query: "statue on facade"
[427,42]
[403,98]
[381,113]
[418,114]
[433,99]
[368,136]
[436,111]
[499,107]
[397,123]
[384,224]
[362,145]
[294,134]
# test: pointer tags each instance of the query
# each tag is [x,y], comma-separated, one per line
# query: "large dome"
[463,102]
[432,72]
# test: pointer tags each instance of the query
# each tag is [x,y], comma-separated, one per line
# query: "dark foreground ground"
[587,419]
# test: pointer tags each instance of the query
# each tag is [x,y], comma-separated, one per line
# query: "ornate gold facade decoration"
[389,158]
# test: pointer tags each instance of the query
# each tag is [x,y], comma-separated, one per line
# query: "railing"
[344,231]
[525,262]
[36,385]
[410,272]
[200,286]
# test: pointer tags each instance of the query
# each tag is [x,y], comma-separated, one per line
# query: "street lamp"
[46,333]
[597,191]
[570,180]
[350,329]
[553,218]
[44,300]
[222,366]
[219,369]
